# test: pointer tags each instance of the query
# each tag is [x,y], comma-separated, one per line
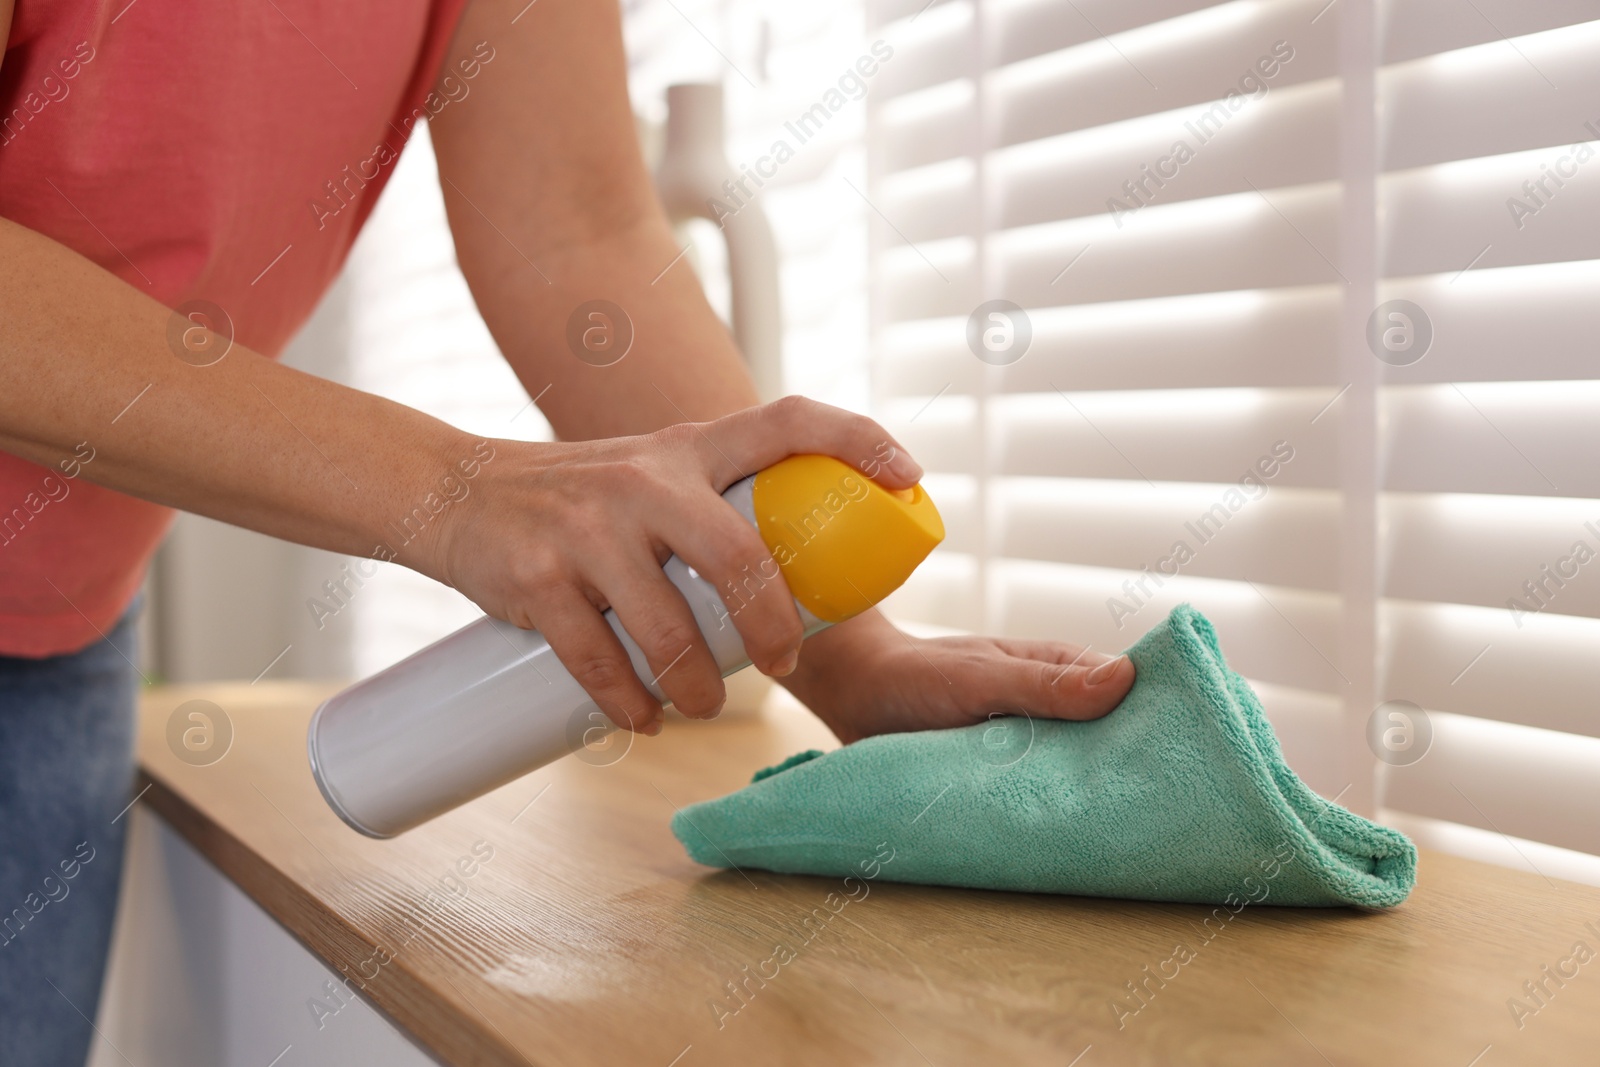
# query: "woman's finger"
[1002,682]
[727,551]
[747,441]
[656,616]
[1065,653]
[591,653]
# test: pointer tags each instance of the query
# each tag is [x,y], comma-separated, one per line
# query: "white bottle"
[491,702]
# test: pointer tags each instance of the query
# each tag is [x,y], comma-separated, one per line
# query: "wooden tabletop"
[557,921]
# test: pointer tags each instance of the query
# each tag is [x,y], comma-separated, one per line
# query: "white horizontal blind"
[1175,343]
[1167,189]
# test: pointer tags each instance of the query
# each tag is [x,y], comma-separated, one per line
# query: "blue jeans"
[66,772]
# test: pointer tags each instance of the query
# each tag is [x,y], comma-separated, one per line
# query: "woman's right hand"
[551,535]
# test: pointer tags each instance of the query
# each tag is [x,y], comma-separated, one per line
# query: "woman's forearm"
[682,364]
[551,208]
[84,357]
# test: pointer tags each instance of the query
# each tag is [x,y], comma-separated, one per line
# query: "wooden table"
[589,938]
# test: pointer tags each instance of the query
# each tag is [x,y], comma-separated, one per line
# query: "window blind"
[1488,195]
[1202,208]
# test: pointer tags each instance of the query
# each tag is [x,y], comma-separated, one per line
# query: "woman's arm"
[551,207]
[87,357]
[542,534]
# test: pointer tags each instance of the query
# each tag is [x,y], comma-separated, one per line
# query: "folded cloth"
[1180,794]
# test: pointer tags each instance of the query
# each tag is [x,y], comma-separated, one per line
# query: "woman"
[219,160]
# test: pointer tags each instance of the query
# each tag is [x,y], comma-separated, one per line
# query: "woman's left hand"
[865,677]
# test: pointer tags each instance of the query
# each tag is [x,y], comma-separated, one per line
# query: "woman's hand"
[864,677]
[553,534]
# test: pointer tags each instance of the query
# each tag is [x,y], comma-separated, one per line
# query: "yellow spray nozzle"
[841,540]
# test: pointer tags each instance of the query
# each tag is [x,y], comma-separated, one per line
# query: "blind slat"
[1183,436]
[1244,241]
[1285,138]
[1531,441]
[1262,338]
[1503,777]
[1484,550]
[1478,661]
[1282,537]
[1445,225]
[1284,636]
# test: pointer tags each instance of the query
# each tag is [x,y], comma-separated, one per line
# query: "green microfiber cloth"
[1180,794]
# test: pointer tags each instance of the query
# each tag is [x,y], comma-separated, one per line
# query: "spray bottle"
[490,702]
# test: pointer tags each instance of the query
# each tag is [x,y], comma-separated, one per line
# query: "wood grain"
[589,938]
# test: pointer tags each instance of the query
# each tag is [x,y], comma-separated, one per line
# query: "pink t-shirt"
[224,152]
